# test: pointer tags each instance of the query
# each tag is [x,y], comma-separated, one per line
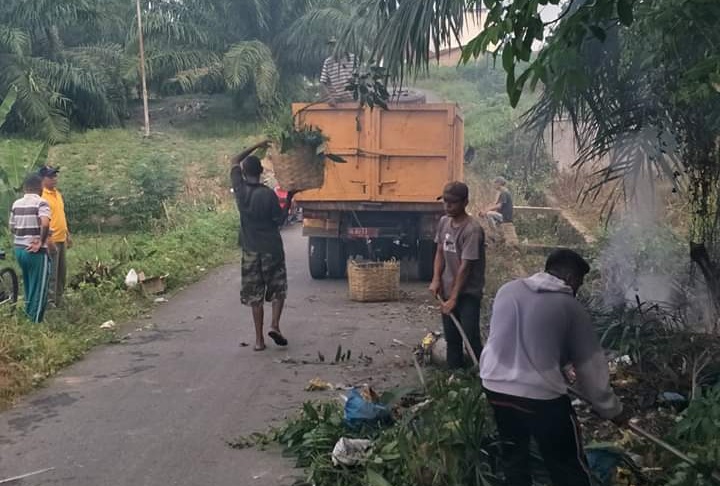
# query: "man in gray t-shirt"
[459,272]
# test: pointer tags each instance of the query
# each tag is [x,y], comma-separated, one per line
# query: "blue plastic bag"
[604,461]
[359,412]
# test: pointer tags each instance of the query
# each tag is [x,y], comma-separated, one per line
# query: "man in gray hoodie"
[537,328]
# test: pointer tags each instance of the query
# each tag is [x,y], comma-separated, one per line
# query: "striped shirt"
[25,219]
[337,73]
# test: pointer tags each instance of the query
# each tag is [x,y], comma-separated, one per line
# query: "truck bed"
[402,155]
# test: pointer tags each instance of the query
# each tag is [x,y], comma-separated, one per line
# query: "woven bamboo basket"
[373,281]
[298,169]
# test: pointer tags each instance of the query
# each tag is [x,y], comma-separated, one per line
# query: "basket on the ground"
[373,281]
[299,168]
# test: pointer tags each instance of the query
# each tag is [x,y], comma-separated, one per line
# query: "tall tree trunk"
[711,272]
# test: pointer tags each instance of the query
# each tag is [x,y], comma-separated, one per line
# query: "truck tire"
[336,258]
[426,259]
[317,257]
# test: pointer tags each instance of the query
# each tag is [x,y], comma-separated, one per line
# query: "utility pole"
[143,78]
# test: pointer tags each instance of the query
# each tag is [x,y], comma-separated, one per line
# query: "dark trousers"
[554,427]
[58,275]
[468,313]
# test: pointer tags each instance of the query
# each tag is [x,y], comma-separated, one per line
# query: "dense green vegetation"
[75,62]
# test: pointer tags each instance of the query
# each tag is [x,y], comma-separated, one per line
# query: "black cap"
[455,190]
[47,171]
[564,258]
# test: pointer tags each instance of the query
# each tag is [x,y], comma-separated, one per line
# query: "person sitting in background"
[30,227]
[502,210]
[337,72]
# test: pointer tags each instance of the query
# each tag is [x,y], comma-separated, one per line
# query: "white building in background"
[472,26]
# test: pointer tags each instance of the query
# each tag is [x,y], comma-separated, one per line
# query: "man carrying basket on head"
[264,276]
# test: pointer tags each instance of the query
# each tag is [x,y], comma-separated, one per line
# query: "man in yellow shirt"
[59,233]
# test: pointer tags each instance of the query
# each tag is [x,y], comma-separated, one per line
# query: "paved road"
[157,409]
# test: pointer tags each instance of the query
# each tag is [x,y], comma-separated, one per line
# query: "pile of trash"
[398,437]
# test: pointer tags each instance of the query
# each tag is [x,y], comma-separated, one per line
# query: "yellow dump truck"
[383,203]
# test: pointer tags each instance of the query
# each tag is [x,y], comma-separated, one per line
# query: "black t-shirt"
[506,205]
[260,215]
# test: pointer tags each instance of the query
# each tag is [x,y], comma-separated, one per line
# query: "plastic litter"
[350,452]
[362,409]
[604,462]
[108,325]
[132,279]
[671,397]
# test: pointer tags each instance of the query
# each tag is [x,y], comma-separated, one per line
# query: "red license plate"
[363,232]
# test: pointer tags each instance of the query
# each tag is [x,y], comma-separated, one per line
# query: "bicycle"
[8,284]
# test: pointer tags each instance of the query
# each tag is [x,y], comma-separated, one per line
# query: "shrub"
[156,181]
[130,198]
[698,433]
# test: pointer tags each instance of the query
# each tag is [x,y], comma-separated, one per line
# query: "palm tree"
[269,53]
[637,79]
[56,85]
[75,62]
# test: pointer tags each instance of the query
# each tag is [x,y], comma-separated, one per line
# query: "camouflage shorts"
[264,278]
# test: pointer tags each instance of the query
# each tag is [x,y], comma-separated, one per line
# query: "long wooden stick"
[465,339]
[715,475]
[23,476]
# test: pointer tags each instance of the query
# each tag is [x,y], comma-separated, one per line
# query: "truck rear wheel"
[426,259]
[317,257]
[336,258]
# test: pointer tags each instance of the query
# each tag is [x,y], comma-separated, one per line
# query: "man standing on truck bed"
[264,276]
[337,72]
[459,272]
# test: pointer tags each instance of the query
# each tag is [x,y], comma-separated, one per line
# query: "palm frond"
[206,79]
[242,62]
[86,91]
[164,64]
[37,107]
[239,20]
[163,28]
[410,31]
[13,41]
[305,40]
[266,82]
[7,104]
[37,15]
[108,63]
[634,107]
